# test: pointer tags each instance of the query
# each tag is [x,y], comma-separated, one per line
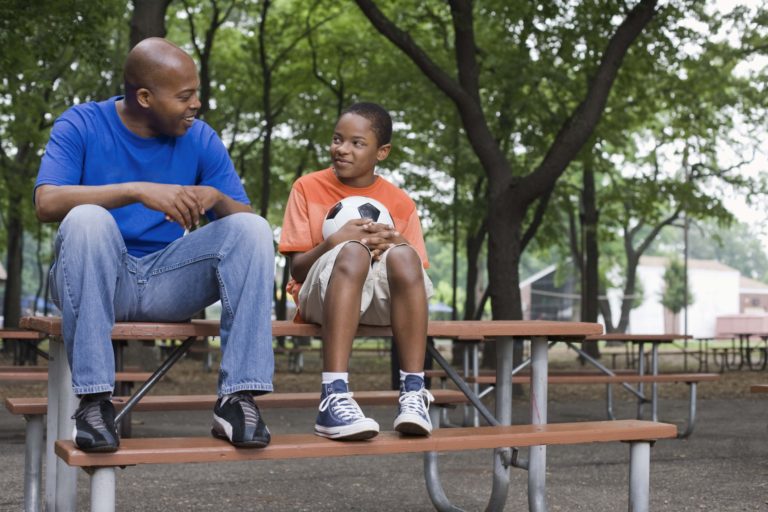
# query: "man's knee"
[249,227]
[88,222]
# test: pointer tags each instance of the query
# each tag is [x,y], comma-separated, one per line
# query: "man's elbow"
[43,209]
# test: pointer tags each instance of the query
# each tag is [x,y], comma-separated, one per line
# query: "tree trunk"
[14,263]
[148,19]
[590,280]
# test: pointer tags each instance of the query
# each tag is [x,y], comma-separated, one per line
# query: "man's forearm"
[227,206]
[52,202]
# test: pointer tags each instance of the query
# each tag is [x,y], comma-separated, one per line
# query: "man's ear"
[383,152]
[143,96]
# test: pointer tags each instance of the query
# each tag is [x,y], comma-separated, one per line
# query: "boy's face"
[355,151]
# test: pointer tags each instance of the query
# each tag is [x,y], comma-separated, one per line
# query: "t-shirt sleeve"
[62,162]
[216,167]
[295,235]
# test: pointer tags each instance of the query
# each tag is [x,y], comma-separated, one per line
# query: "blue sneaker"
[413,414]
[340,417]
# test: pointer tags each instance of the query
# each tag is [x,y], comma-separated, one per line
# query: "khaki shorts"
[374,306]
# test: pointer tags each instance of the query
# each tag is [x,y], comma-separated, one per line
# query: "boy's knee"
[353,260]
[404,264]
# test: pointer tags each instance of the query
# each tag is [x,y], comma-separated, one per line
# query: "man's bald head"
[161,83]
[150,61]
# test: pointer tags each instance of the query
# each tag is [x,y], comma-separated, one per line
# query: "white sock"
[403,375]
[329,377]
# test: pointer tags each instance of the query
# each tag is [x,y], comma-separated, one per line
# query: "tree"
[53,52]
[677,293]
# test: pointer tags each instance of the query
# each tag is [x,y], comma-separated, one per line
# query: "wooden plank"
[626,337]
[20,335]
[436,328]
[607,379]
[296,446]
[39,405]
[38,376]
[759,388]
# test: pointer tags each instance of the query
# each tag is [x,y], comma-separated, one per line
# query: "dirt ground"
[723,467]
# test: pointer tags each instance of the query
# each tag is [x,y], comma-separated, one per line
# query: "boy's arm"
[362,230]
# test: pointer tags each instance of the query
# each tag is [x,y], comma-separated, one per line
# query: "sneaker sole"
[256,443]
[413,426]
[108,448]
[357,432]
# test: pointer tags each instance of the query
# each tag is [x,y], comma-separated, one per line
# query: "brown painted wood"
[38,376]
[660,338]
[436,328]
[607,379]
[39,405]
[20,334]
[295,446]
[759,388]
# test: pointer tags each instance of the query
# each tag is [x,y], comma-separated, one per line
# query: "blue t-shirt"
[90,145]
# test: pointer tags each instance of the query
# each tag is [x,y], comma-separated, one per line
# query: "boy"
[365,273]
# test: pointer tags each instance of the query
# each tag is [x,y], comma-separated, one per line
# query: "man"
[128,177]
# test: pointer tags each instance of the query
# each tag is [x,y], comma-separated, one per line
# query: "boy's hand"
[354,229]
[381,237]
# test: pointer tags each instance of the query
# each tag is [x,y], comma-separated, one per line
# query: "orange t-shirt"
[314,194]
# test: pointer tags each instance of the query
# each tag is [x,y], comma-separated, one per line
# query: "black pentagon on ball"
[334,211]
[368,211]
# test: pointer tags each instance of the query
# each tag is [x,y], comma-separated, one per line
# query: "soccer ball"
[354,207]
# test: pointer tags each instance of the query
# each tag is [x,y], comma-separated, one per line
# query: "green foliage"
[677,293]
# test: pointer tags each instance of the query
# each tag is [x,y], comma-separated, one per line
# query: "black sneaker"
[95,426]
[237,419]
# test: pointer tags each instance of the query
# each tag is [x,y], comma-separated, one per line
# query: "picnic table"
[61,400]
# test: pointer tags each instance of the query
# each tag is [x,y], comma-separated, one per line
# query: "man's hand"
[179,203]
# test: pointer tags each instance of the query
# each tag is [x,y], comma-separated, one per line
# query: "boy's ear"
[142,96]
[383,152]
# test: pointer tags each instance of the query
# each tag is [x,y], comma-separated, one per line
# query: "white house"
[715,288]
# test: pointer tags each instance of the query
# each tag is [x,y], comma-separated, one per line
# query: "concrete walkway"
[723,467]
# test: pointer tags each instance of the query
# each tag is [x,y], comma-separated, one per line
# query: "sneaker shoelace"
[248,406]
[415,402]
[342,406]
[91,414]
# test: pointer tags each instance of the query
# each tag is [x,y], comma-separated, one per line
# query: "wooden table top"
[636,338]
[480,329]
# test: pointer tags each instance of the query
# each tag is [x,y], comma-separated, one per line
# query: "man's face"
[355,151]
[174,102]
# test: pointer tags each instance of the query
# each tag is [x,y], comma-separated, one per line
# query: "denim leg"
[232,259]
[90,261]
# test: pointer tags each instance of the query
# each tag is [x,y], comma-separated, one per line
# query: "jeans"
[95,282]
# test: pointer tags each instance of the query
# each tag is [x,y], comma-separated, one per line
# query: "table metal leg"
[641,372]
[66,476]
[537,465]
[654,384]
[56,352]
[33,462]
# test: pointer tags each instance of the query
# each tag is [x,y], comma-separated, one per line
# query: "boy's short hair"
[381,121]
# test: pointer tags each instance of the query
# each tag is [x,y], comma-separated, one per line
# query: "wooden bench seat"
[594,378]
[576,378]
[293,446]
[759,388]
[42,376]
[34,408]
